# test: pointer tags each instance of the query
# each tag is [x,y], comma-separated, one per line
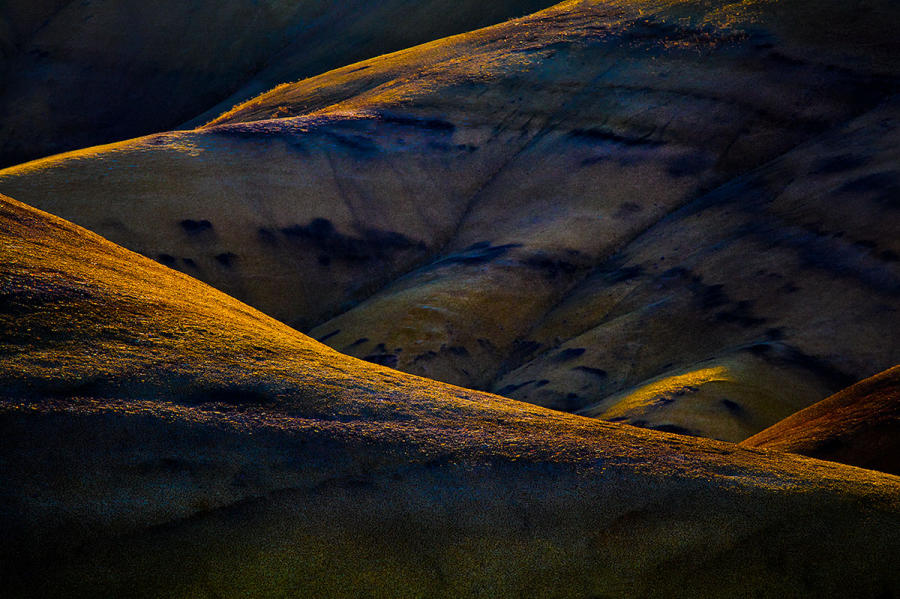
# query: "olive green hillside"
[162,439]
[76,74]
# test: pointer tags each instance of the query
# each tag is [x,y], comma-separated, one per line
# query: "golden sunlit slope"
[460,209]
[161,439]
[81,73]
[857,426]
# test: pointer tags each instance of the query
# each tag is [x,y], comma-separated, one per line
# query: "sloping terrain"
[746,304]
[164,440]
[499,209]
[858,426]
[80,73]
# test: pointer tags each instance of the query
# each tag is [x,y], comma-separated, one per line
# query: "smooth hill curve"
[446,209]
[162,439]
[857,426]
[81,73]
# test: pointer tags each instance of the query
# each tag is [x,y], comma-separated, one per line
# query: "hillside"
[553,208]
[163,439]
[81,73]
[856,426]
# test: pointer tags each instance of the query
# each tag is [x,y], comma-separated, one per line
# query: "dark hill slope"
[161,439]
[81,73]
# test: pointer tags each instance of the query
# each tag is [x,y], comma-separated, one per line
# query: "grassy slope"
[499,169]
[857,426]
[163,439]
[866,42]
[82,73]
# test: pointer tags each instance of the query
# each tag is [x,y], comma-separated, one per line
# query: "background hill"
[857,426]
[564,208]
[77,74]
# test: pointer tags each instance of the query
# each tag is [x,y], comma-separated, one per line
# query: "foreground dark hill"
[81,73]
[527,208]
[858,426]
[164,440]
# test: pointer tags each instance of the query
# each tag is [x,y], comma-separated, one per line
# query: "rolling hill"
[81,73]
[654,212]
[857,426]
[163,439]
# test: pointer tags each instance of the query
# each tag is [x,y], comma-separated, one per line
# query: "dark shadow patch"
[166,466]
[782,354]
[740,315]
[520,351]
[357,144]
[195,227]
[838,164]
[439,461]
[231,395]
[542,383]
[626,273]
[512,388]
[429,355]
[374,244]
[630,208]
[456,350]
[478,253]
[388,360]
[358,342]
[788,288]
[551,267]
[226,259]
[189,262]
[571,402]
[688,165]
[889,256]
[436,125]
[166,259]
[829,446]
[783,60]
[677,272]
[732,407]
[711,296]
[594,160]
[597,135]
[267,236]
[597,372]
[568,354]
[347,483]
[671,428]
[96,386]
[325,338]
[885,181]
[775,334]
